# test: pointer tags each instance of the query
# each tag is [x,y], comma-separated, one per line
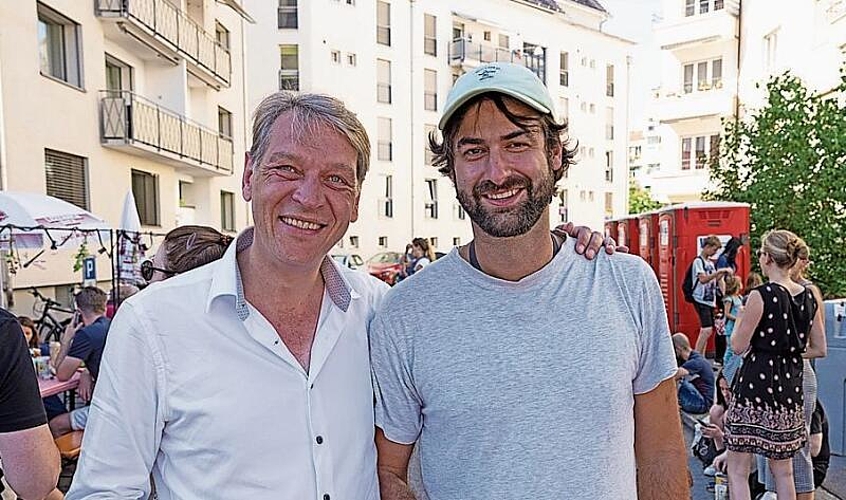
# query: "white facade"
[344,48]
[103,97]
[645,156]
[699,61]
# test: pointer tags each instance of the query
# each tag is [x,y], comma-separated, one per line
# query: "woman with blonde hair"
[423,253]
[781,324]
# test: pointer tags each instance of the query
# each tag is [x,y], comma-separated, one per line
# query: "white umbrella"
[27,218]
[130,251]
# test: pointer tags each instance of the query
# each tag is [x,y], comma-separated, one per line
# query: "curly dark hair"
[555,135]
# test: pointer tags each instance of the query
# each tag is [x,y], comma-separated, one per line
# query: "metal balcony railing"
[462,49]
[168,23]
[289,79]
[134,120]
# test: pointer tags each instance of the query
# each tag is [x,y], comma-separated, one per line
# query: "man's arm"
[30,461]
[67,368]
[681,373]
[392,464]
[64,346]
[659,445]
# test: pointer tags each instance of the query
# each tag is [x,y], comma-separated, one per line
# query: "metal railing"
[128,117]
[462,49]
[168,23]
[289,79]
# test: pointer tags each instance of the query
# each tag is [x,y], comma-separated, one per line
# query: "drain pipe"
[411,115]
[738,38]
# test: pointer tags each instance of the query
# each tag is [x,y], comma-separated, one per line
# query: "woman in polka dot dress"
[765,416]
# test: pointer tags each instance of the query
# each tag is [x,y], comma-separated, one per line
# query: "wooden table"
[54,386]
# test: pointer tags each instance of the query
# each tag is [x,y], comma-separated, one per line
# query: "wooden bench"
[69,444]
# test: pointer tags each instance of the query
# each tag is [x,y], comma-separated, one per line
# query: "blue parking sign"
[89,269]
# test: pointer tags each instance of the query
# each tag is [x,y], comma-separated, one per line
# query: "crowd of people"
[767,418]
[268,371]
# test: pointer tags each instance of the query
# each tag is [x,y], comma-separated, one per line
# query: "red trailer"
[681,231]
[648,236]
[628,233]
[611,229]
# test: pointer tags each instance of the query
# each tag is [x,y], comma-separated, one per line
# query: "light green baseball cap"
[514,80]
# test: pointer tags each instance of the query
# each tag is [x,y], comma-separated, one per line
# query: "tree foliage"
[640,200]
[788,161]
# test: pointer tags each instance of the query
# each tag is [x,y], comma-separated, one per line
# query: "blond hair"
[783,247]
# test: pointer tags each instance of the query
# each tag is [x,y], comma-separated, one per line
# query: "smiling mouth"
[503,195]
[301,224]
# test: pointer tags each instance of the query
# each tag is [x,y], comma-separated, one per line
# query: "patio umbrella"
[130,250]
[27,219]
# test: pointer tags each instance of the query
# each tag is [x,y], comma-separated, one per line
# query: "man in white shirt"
[249,377]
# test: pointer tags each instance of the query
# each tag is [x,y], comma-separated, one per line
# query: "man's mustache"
[511,182]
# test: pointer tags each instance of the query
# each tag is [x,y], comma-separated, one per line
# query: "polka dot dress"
[765,415]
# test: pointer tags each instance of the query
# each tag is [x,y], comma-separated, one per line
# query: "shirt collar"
[226,279]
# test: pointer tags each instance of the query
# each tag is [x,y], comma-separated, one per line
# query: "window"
[227,211]
[591,196]
[563,205]
[67,177]
[289,72]
[386,204]
[224,122]
[701,156]
[336,56]
[591,152]
[609,80]
[58,46]
[459,212]
[689,8]
[383,81]
[717,74]
[592,109]
[383,242]
[433,242]
[186,195]
[688,78]
[383,23]
[430,36]
[351,59]
[701,149]
[145,189]
[686,152]
[457,31]
[221,35]
[354,241]
[534,58]
[705,6]
[770,51]
[708,76]
[431,205]
[504,41]
[564,76]
[456,241]
[583,195]
[609,204]
[428,130]
[430,90]
[287,15]
[609,166]
[118,75]
[609,123]
[563,108]
[486,36]
[384,146]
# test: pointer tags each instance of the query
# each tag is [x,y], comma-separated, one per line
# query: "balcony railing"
[169,25]
[289,79]
[127,118]
[462,50]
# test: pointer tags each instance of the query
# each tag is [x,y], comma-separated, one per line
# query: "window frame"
[383,26]
[141,201]
[70,53]
[227,204]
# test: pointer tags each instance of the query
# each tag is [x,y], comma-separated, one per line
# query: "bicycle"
[47,325]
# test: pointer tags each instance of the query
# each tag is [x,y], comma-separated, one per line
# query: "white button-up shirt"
[197,387]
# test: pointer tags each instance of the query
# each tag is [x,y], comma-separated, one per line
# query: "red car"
[385,266]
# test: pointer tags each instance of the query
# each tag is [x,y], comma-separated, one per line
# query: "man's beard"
[512,221]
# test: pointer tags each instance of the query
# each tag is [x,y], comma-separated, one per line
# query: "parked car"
[385,266]
[350,260]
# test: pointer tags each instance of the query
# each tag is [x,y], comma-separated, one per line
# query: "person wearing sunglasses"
[183,249]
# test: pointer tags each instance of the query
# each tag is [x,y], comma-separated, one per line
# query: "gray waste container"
[831,374]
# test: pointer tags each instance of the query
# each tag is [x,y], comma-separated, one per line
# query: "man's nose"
[499,167]
[309,192]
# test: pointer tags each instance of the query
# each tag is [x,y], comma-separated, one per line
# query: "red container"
[681,231]
[628,233]
[611,229]
[648,238]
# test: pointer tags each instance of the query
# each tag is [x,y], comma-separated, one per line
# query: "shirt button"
[319,439]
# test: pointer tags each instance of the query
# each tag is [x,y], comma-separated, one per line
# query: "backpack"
[687,284]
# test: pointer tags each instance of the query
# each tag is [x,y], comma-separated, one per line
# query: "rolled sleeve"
[657,361]
[398,405]
[126,418]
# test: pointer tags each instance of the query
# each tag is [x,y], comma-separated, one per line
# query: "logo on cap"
[487,72]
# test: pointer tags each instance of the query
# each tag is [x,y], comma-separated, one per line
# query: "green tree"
[640,200]
[788,161]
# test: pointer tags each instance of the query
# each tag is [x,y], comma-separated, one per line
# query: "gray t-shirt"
[521,389]
[704,293]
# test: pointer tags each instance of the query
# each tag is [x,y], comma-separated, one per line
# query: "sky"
[633,19]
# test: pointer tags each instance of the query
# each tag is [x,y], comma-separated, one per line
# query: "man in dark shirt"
[695,376]
[30,458]
[83,341]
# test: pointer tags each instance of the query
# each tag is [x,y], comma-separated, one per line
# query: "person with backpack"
[700,288]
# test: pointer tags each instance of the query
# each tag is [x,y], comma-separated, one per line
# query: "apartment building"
[645,155]
[394,61]
[104,97]
[699,86]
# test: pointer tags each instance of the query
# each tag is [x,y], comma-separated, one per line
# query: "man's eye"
[337,179]
[473,151]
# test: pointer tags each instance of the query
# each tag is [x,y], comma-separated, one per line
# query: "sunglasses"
[147,270]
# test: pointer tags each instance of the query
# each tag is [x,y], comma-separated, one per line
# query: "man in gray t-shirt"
[519,369]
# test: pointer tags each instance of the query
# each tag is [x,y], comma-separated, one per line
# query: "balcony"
[289,79]
[139,126]
[716,26]
[164,31]
[468,55]
[673,106]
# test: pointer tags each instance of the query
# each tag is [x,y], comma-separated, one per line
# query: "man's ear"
[247,179]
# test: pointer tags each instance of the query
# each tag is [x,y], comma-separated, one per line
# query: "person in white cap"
[519,369]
